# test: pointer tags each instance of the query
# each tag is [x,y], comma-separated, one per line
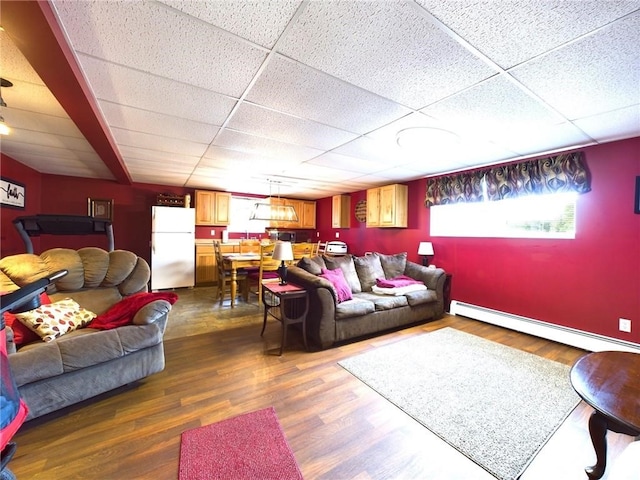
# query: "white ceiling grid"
[227,95]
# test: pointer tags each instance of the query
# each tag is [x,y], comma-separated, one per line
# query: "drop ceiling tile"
[492,109]
[511,32]
[154,38]
[13,65]
[351,164]
[48,140]
[598,73]
[263,122]
[261,22]
[294,88]
[609,126]
[372,149]
[160,168]
[127,86]
[157,143]
[158,157]
[31,97]
[396,53]
[51,163]
[30,121]
[317,172]
[264,147]
[546,138]
[144,121]
[158,179]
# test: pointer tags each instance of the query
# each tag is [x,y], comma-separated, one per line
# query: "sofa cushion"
[54,320]
[348,268]
[384,302]
[393,265]
[420,297]
[340,286]
[369,269]
[356,307]
[313,265]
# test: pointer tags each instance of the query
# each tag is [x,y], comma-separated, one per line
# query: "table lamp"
[283,252]
[426,250]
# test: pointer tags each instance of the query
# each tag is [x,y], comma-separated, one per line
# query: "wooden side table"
[610,383]
[293,308]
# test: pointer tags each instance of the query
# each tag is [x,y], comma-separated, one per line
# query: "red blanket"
[123,312]
[401,281]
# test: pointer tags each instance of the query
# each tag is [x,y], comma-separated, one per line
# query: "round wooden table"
[610,383]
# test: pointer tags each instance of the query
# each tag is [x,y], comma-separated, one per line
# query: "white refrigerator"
[173,233]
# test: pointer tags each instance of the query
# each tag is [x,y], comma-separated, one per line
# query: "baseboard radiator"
[568,336]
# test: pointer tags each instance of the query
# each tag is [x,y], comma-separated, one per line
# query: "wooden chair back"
[224,276]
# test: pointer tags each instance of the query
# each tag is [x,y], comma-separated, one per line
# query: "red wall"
[586,283]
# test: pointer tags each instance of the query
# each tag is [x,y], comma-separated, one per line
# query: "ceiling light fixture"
[426,139]
[273,210]
[4,128]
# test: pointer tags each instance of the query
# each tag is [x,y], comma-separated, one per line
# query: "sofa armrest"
[322,305]
[433,278]
[151,312]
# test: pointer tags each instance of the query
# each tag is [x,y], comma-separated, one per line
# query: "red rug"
[250,446]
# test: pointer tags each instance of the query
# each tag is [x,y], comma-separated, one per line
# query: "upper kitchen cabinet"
[212,208]
[305,210]
[341,211]
[387,206]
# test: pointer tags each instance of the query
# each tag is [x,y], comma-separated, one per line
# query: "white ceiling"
[228,95]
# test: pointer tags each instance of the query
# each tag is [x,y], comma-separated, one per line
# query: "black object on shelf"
[45,224]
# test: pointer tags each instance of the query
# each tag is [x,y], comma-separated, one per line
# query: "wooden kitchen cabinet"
[387,206]
[341,211]
[308,218]
[212,208]
[305,209]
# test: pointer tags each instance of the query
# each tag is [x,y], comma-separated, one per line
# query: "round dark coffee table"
[610,383]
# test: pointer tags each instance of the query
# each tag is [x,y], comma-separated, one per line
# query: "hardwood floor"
[218,366]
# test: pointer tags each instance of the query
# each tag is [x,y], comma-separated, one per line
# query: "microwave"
[287,236]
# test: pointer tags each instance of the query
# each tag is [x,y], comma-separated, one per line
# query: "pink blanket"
[401,281]
[123,312]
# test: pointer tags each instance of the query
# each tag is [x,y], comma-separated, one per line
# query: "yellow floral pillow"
[54,320]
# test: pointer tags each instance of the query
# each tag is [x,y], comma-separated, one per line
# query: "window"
[534,216]
[241,208]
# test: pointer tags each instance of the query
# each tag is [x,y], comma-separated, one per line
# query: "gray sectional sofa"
[86,362]
[331,321]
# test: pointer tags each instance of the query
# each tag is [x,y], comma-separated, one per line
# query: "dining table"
[235,261]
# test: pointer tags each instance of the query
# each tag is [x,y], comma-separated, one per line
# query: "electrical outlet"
[318,234]
[213,233]
[337,234]
[625,325]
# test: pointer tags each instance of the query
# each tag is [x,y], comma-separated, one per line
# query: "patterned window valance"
[561,173]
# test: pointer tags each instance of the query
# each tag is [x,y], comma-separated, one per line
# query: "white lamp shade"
[425,248]
[282,251]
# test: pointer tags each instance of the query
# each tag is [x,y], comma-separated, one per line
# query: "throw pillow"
[54,320]
[336,277]
[21,333]
[345,263]
[369,269]
[393,265]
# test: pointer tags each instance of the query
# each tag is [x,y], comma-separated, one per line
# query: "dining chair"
[321,248]
[266,272]
[303,249]
[224,277]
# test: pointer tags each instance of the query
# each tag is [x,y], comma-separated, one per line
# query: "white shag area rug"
[495,404]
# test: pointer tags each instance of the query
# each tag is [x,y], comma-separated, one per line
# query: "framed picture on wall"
[12,194]
[637,203]
[101,209]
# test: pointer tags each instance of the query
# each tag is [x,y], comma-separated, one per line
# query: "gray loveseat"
[330,321]
[86,362]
